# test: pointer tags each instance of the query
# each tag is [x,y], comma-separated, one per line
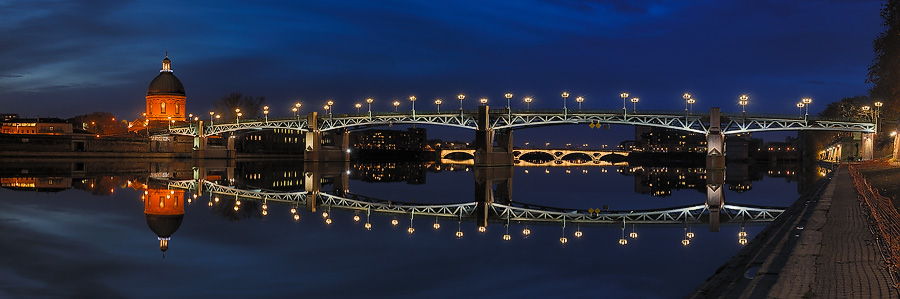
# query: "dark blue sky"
[65,58]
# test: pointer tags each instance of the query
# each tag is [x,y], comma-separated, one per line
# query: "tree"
[845,108]
[884,73]
[251,107]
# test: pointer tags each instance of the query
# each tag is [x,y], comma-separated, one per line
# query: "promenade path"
[824,248]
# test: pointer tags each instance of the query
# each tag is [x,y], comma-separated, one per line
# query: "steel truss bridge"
[502,119]
[497,212]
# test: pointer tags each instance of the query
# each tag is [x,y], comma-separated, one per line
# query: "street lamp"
[565,95]
[483,101]
[396,104]
[877,112]
[297,108]
[266,113]
[369,101]
[357,105]
[294,109]
[807,101]
[211,113]
[237,115]
[743,100]
[438,102]
[691,103]
[801,105]
[528,103]
[624,97]
[687,97]
[413,100]
[329,103]
[461,97]
[579,100]
[508,96]
[634,101]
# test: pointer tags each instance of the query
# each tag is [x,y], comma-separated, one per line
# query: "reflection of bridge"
[503,122]
[550,157]
[514,212]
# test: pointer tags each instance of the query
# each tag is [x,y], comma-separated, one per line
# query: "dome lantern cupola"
[166,68]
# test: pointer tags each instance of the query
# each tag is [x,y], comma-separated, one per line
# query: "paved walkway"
[823,249]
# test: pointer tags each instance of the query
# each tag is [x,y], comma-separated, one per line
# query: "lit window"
[162,108]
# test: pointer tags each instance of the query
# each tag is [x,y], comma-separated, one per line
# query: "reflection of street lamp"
[396,104]
[634,104]
[438,102]
[528,103]
[579,100]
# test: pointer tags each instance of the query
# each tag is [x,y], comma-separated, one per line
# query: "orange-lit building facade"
[165,96]
[34,126]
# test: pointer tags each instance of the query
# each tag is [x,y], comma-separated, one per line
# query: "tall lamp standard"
[743,100]
[396,104]
[877,112]
[579,100]
[296,110]
[461,97]
[330,103]
[483,101]
[801,105]
[357,105]
[565,95]
[624,97]
[634,102]
[508,96]
[806,102]
[237,114]
[266,113]
[413,100]
[438,102]
[691,102]
[211,113]
[369,101]
[686,96]
[528,103]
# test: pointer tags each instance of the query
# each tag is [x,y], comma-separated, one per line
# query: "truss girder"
[748,125]
[449,119]
[516,121]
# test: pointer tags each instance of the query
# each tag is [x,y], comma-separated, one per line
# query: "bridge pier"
[715,168]
[867,146]
[485,153]
[485,179]
[316,151]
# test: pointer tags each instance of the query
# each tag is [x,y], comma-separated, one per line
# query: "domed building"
[165,96]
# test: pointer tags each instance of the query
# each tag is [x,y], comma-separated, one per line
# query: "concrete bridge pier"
[315,172]
[337,150]
[867,146]
[485,153]
[715,168]
[485,179]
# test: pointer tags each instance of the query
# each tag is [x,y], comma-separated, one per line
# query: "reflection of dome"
[164,225]
[165,84]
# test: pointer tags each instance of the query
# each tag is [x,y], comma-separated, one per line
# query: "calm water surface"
[79,229]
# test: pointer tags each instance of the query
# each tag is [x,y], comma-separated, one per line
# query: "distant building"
[165,97]
[662,140]
[413,139]
[277,141]
[44,126]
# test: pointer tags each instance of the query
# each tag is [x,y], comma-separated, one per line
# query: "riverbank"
[826,247]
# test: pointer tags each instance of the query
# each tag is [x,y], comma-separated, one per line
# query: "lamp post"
[801,105]
[528,103]
[691,103]
[508,96]
[743,100]
[296,110]
[483,101]
[327,110]
[396,104]
[211,113]
[369,101]
[266,113]
[565,95]
[687,97]
[877,112]
[806,102]
[329,103]
[413,100]
[438,102]
[634,101]
[357,105]
[461,97]
[237,115]
[579,100]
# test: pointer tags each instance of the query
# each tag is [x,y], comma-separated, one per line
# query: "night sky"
[65,58]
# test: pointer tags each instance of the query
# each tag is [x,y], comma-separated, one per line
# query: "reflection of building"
[46,126]
[660,181]
[164,211]
[39,184]
[165,96]
[411,173]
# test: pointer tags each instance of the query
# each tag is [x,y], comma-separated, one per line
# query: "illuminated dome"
[164,225]
[166,83]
